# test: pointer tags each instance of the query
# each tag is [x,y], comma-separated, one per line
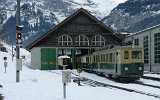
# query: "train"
[123,62]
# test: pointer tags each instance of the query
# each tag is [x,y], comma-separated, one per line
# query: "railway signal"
[19,35]
[19,41]
[19,38]
[5,63]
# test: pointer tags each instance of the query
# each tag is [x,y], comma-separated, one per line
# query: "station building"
[81,33]
[149,39]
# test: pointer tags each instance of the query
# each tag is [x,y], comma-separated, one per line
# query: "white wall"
[36,58]
[150,33]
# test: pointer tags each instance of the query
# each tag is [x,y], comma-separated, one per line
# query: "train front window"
[126,54]
[136,54]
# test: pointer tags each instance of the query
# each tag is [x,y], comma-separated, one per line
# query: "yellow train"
[123,62]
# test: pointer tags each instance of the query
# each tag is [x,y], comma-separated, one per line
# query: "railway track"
[1,97]
[149,85]
[151,78]
[137,82]
[94,83]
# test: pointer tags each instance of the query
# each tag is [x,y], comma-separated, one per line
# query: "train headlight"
[140,68]
[126,68]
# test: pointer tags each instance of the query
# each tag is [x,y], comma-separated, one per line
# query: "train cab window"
[126,54]
[136,54]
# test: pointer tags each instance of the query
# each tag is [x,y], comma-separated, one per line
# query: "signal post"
[18,42]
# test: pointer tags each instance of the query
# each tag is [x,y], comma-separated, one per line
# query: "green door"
[48,58]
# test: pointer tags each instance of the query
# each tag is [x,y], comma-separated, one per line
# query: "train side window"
[90,59]
[126,54]
[87,59]
[113,54]
[94,59]
[110,57]
[97,58]
[106,57]
[101,57]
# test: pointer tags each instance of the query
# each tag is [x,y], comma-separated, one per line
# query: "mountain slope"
[134,15]
[38,16]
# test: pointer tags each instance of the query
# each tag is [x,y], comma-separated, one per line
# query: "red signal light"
[19,35]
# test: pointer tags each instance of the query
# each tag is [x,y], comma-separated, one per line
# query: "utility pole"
[18,42]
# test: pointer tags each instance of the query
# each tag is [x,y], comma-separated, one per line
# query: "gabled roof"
[56,28]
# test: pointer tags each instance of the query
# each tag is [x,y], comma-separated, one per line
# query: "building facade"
[149,39]
[78,34]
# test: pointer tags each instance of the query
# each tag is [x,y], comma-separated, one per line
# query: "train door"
[118,60]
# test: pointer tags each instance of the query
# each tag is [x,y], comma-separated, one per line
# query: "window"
[126,54]
[102,57]
[87,59]
[136,54]
[98,40]
[81,40]
[110,57]
[94,59]
[65,40]
[157,47]
[97,58]
[90,59]
[113,54]
[106,57]
[146,53]
[136,42]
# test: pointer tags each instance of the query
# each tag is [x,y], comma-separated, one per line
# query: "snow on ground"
[47,85]
[153,75]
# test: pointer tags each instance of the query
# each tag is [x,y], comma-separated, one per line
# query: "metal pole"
[5,69]
[12,49]
[64,90]
[17,29]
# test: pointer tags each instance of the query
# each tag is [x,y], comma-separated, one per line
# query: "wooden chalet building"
[78,34]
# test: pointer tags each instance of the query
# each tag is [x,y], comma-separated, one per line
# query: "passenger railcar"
[120,62]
